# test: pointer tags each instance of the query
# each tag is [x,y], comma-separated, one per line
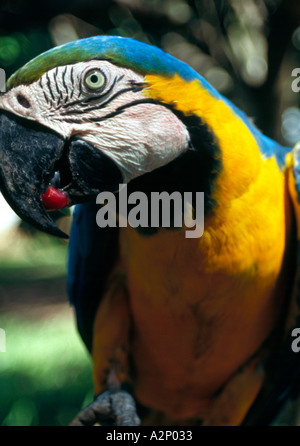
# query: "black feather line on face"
[96,107]
[118,93]
[120,109]
[72,82]
[49,87]
[64,83]
[86,101]
[57,88]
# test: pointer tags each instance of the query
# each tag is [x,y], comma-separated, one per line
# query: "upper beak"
[28,153]
[31,155]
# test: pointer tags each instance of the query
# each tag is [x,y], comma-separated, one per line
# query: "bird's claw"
[114,408]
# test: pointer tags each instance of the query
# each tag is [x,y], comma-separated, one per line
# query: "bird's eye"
[94,80]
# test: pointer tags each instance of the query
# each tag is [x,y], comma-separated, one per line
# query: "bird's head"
[91,114]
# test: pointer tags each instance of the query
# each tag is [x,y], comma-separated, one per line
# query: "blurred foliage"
[24,258]
[247,49]
[45,374]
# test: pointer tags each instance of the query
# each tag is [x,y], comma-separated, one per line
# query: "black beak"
[28,153]
[32,157]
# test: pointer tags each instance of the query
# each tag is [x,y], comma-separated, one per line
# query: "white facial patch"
[138,135]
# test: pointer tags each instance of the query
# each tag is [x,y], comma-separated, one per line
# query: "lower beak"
[28,153]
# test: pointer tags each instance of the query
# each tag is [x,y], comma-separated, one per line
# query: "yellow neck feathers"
[241,157]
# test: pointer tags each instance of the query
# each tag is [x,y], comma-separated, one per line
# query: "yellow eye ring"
[94,80]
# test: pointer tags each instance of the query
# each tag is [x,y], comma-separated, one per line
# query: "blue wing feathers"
[92,252]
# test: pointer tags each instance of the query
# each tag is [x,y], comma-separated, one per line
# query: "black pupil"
[94,78]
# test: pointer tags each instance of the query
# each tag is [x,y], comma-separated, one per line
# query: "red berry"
[54,199]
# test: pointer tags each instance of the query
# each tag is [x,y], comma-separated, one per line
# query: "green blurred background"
[246,48]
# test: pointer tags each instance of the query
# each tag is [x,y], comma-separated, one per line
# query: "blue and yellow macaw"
[197,330]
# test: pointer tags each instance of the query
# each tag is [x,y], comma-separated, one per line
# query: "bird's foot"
[111,408]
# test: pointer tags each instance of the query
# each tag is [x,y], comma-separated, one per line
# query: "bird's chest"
[168,270]
[200,308]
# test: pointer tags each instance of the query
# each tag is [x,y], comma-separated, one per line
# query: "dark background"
[246,49]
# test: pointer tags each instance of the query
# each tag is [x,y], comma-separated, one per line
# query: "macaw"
[192,331]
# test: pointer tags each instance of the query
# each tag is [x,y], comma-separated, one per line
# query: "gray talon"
[115,407]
